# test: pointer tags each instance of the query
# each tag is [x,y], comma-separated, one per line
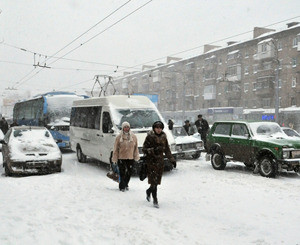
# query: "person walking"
[170,124]
[202,127]
[3,125]
[154,148]
[187,126]
[125,154]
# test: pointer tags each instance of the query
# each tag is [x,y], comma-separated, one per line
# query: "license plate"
[295,154]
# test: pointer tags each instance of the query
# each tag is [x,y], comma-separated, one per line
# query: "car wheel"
[267,167]
[196,155]
[217,161]
[80,156]
[7,172]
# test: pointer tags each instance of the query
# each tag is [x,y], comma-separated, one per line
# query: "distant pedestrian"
[154,148]
[125,154]
[202,127]
[187,126]
[3,125]
[170,124]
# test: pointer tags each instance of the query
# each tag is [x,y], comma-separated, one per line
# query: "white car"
[290,132]
[29,149]
[187,146]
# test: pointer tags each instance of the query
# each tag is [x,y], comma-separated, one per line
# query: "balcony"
[264,91]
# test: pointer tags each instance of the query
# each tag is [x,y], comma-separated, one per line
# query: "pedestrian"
[187,126]
[202,127]
[154,148]
[3,125]
[14,123]
[125,154]
[170,124]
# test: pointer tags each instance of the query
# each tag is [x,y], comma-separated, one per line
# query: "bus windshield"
[137,118]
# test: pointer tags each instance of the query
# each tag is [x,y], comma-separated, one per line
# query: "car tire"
[196,155]
[7,172]
[80,156]
[267,167]
[217,161]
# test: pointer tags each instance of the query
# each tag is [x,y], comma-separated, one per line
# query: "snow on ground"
[198,205]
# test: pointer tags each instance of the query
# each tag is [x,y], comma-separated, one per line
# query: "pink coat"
[126,147]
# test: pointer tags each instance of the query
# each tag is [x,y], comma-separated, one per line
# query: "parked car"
[290,132]
[187,146]
[28,149]
[260,145]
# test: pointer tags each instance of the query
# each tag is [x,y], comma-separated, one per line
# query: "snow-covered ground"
[198,205]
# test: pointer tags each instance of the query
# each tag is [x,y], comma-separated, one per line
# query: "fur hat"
[158,123]
[129,135]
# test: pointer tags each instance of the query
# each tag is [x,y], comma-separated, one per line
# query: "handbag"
[143,171]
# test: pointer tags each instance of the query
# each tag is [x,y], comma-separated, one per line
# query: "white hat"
[124,124]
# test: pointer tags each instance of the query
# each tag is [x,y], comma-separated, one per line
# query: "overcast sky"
[159,29]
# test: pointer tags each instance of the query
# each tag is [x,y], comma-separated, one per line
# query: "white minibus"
[95,123]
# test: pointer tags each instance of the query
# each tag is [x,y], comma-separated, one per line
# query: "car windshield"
[40,133]
[137,118]
[179,131]
[265,129]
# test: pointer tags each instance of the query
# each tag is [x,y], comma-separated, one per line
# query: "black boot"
[148,192]
[154,194]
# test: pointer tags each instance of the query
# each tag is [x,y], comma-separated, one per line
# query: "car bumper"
[63,144]
[188,153]
[31,167]
[290,164]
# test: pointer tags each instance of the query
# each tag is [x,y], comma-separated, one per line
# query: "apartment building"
[240,75]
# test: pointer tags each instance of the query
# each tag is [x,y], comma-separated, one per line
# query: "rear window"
[222,129]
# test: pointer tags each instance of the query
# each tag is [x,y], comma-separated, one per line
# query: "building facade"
[240,75]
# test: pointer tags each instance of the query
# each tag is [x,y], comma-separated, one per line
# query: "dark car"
[259,145]
[28,150]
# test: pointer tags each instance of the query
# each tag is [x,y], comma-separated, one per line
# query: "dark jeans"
[203,137]
[125,168]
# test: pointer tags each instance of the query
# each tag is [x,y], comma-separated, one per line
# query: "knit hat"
[124,124]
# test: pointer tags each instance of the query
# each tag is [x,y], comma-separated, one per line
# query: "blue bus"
[51,110]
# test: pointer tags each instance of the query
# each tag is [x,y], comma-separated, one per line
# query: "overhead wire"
[126,16]
[19,82]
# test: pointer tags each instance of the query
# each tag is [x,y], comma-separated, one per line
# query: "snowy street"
[198,205]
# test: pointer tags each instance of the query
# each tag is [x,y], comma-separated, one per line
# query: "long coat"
[154,148]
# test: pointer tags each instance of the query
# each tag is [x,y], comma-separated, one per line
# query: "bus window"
[106,123]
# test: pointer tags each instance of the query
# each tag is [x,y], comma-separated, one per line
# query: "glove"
[158,150]
[174,163]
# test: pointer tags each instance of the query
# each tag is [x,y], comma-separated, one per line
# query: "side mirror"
[111,131]
[247,136]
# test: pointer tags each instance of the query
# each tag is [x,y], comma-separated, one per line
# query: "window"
[294,62]
[264,47]
[223,129]
[239,130]
[294,81]
[86,117]
[246,87]
[255,68]
[246,54]
[106,123]
[293,101]
[125,83]
[279,83]
[296,40]
[280,64]
[279,45]
[232,70]
[267,65]
[266,102]
[246,70]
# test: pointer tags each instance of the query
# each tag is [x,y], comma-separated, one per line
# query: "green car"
[259,145]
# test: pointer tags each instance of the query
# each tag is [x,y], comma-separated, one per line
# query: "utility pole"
[183,98]
[276,82]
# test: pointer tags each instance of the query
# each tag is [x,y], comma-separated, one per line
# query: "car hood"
[286,141]
[186,140]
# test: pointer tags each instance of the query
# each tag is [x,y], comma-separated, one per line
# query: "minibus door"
[108,137]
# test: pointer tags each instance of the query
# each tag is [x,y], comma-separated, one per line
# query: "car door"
[240,143]
[107,136]
[221,136]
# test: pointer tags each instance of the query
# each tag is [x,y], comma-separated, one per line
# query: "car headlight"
[173,147]
[198,145]
[286,154]
[179,148]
